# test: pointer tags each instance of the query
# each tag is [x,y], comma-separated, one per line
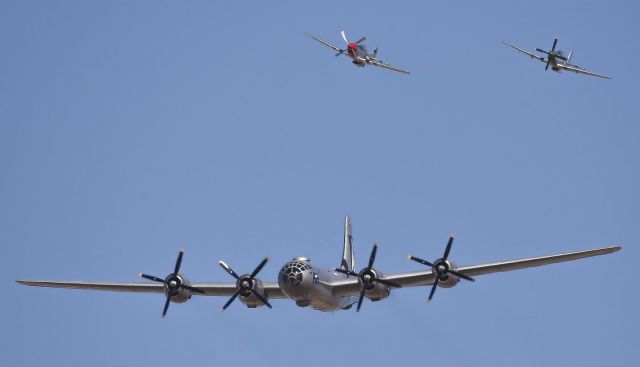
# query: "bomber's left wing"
[381,64]
[351,286]
[579,70]
[272,290]
[530,54]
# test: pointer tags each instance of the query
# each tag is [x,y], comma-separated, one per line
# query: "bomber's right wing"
[337,49]
[530,54]
[351,286]
[272,290]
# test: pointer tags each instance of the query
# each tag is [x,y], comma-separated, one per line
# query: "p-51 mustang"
[557,60]
[358,53]
[308,285]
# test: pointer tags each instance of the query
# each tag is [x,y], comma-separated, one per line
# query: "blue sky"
[131,129]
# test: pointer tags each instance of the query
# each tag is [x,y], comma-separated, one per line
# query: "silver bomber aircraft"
[358,53]
[308,285]
[557,60]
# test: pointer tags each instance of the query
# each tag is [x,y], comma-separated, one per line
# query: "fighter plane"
[557,60]
[325,290]
[358,53]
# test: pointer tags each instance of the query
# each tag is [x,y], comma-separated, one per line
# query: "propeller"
[552,53]
[367,276]
[172,283]
[441,268]
[245,283]
[344,37]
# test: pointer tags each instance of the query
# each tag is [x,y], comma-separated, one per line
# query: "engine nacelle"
[451,280]
[180,295]
[248,298]
[376,291]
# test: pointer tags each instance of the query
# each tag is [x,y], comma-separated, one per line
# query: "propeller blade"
[151,277]
[372,257]
[387,283]
[230,301]
[344,37]
[178,261]
[448,248]
[423,262]
[259,267]
[547,66]
[347,272]
[228,269]
[555,42]
[360,300]
[360,40]
[166,307]
[460,275]
[192,289]
[262,299]
[433,289]
[543,51]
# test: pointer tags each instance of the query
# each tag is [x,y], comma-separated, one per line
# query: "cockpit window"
[292,272]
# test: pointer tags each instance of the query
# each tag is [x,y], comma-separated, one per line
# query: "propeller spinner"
[441,268]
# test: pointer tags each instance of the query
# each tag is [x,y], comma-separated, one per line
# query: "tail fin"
[348,262]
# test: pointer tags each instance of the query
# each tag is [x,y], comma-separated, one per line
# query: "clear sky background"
[130,129]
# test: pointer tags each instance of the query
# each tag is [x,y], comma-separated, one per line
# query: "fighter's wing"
[532,55]
[579,70]
[210,289]
[337,49]
[381,64]
[351,287]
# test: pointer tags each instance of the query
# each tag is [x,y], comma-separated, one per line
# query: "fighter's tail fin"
[348,262]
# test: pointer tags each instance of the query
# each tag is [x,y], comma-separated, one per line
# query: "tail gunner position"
[325,290]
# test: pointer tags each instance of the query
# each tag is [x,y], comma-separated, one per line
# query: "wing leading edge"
[351,286]
[335,48]
[210,289]
[530,54]
[381,64]
[579,70]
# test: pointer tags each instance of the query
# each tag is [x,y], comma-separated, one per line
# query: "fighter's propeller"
[245,284]
[172,283]
[441,268]
[551,53]
[367,276]
[344,37]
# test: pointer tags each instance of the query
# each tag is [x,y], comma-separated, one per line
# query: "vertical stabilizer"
[348,262]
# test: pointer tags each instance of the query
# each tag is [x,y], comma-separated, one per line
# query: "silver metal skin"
[557,60]
[307,285]
[324,290]
[358,53]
